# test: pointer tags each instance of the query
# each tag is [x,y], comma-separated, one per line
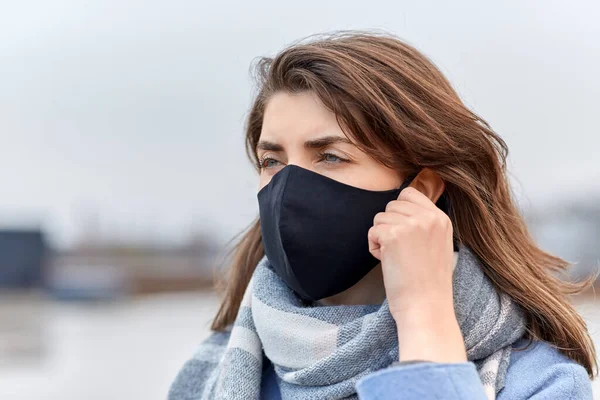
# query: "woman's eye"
[332,158]
[272,163]
[268,163]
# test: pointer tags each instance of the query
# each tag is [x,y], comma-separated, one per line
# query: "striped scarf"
[320,352]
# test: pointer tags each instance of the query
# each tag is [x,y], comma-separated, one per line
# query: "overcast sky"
[133,110]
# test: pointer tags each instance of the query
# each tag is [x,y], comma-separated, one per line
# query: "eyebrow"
[326,141]
[268,146]
[309,144]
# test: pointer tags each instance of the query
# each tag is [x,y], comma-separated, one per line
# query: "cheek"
[372,177]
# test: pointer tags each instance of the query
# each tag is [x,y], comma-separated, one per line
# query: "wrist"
[422,309]
[430,333]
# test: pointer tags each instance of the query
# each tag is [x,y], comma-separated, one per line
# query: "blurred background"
[123,175]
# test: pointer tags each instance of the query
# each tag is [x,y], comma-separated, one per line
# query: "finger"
[375,237]
[414,196]
[403,207]
[389,218]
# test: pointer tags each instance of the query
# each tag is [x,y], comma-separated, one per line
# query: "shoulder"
[541,370]
[195,375]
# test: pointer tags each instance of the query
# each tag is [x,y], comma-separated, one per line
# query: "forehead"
[297,116]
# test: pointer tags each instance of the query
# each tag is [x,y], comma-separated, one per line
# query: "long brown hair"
[400,109]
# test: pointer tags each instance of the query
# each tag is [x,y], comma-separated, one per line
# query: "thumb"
[373,238]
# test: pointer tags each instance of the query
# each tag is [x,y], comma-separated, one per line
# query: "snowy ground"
[129,350]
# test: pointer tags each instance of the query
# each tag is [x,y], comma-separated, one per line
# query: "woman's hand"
[413,241]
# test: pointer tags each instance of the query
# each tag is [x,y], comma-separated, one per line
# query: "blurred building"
[22,258]
[105,270]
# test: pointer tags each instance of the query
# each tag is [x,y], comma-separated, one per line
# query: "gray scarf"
[320,352]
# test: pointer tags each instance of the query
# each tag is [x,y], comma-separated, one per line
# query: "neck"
[369,290]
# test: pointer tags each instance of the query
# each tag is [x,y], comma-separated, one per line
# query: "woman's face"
[298,129]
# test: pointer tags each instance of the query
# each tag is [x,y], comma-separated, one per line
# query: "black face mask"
[314,230]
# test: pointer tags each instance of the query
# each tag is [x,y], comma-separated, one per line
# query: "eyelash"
[261,162]
[322,156]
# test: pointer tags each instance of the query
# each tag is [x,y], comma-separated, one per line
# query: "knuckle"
[396,231]
[378,217]
[406,193]
[371,232]
[391,205]
[429,218]
[371,236]
[448,223]
[443,220]
[413,223]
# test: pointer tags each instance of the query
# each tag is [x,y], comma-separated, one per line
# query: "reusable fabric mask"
[314,230]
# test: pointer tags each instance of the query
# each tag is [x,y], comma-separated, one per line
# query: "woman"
[389,260]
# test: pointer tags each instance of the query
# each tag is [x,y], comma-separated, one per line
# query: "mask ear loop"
[408,181]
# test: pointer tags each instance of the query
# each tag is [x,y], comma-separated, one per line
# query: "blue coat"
[538,372]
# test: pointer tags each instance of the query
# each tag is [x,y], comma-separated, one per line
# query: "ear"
[429,183]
